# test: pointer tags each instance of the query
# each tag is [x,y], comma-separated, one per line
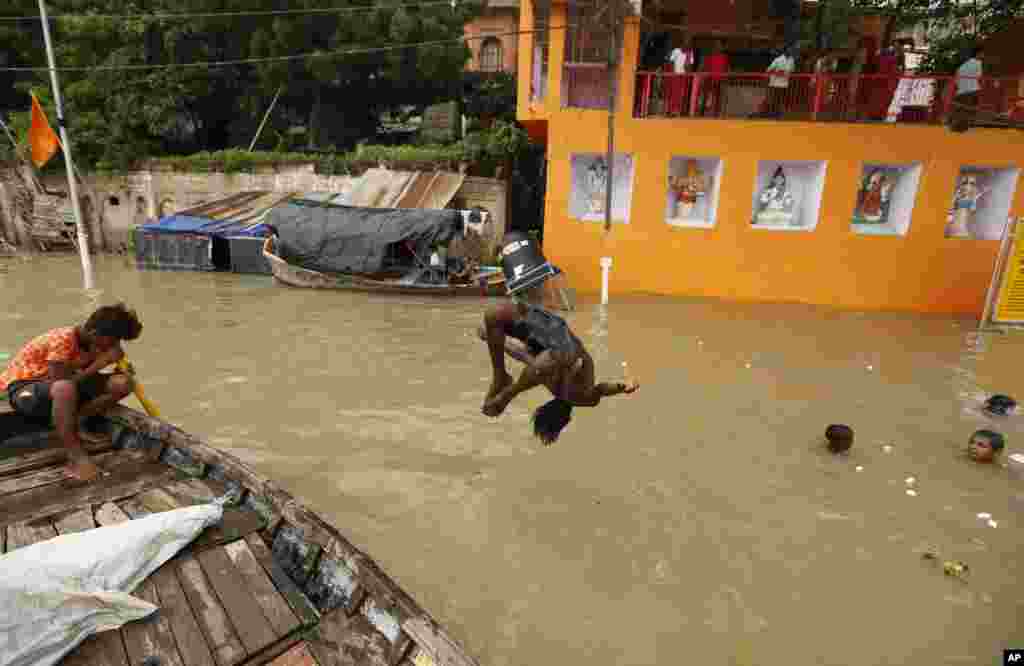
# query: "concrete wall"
[114,204]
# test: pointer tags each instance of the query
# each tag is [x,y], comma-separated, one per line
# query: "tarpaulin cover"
[186,224]
[57,593]
[349,239]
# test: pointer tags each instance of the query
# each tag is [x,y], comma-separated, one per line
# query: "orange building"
[492,38]
[897,215]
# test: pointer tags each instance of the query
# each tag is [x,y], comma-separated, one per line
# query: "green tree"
[119,116]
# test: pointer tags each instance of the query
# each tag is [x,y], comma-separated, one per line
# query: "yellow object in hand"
[126,367]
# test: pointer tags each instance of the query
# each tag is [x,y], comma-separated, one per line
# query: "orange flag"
[41,137]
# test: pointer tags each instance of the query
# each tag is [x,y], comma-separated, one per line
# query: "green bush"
[483,149]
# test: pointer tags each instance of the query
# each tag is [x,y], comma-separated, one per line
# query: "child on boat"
[554,356]
[56,379]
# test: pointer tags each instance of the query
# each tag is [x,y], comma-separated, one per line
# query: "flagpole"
[83,240]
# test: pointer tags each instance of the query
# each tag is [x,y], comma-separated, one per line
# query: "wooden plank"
[213,620]
[237,522]
[341,640]
[151,636]
[20,535]
[242,608]
[174,605]
[105,648]
[124,481]
[300,655]
[55,474]
[109,513]
[78,520]
[299,603]
[52,456]
[273,605]
[436,644]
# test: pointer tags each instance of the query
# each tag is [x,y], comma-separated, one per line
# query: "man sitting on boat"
[55,379]
[554,356]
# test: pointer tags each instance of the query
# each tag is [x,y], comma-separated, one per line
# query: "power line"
[268,12]
[288,58]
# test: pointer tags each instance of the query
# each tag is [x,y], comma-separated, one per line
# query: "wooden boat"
[273,583]
[481,284]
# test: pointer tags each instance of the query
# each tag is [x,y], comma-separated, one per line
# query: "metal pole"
[265,116]
[9,135]
[83,240]
[1009,232]
[612,92]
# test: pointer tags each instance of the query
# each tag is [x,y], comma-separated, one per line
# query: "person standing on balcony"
[968,87]
[884,89]
[680,60]
[778,86]
[716,65]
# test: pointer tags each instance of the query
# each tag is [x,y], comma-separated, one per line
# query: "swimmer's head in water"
[550,419]
[840,438]
[985,445]
[1000,405]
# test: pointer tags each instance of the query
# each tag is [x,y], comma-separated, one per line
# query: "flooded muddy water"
[698,522]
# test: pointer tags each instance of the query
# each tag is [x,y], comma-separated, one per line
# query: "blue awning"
[185,224]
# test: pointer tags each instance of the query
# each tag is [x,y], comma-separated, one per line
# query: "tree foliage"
[120,116]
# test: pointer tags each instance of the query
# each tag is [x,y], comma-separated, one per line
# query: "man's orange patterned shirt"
[57,346]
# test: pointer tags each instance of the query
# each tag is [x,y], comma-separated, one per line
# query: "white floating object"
[887,448]
[860,468]
[911,480]
[1017,458]
[984,516]
[748,365]
[870,368]
[911,492]
[992,523]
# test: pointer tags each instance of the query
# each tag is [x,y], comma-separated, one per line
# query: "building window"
[490,55]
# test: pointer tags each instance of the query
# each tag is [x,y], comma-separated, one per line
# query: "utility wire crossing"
[255,12]
[287,58]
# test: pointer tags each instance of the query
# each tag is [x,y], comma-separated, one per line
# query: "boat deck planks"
[230,597]
[106,648]
[297,656]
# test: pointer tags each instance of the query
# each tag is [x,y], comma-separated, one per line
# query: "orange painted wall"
[922,271]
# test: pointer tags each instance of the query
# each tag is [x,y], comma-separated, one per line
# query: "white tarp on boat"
[56,593]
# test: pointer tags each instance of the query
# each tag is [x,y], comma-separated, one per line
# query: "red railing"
[823,97]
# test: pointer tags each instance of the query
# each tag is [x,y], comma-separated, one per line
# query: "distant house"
[493,39]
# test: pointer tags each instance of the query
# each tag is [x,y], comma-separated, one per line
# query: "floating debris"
[748,366]
[860,468]
[870,368]
[993,523]
[911,492]
[955,568]
[984,516]
[910,481]
[887,448]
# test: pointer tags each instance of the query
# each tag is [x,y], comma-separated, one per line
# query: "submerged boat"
[272,583]
[321,245]
[481,282]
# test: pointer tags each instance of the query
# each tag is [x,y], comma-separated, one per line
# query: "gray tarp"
[349,239]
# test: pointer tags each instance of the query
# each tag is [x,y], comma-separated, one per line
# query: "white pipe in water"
[606,266]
